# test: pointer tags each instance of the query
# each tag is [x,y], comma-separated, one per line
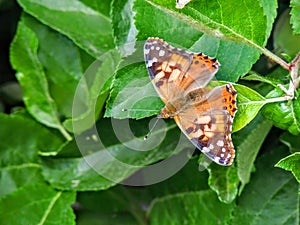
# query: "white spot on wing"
[146,51]
[161,53]
[220,143]
[205,149]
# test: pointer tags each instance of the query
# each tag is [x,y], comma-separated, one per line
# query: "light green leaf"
[151,21]
[123,26]
[271,197]
[37,204]
[240,21]
[235,59]
[291,163]
[295,4]
[21,141]
[88,28]
[202,207]
[249,103]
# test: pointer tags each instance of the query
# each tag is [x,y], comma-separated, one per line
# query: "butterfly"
[204,114]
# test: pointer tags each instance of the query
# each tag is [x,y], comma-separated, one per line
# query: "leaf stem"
[65,133]
[274,57]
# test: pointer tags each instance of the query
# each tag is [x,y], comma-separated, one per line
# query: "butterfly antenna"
[150,131]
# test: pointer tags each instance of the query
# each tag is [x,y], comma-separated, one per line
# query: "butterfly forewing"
[203,114]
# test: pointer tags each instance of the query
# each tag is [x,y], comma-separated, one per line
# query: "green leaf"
[32,77]
[241,56]
[92,92]
[271,197]
[235,59]
[19,163]
[285,40]
[132,91]
[200,207]
[89,29]
[37,204]
[151,21]
[295,4]
[285,115]
[224,181]
[257,77]
[127,199]
[88,218]
[249,103]
[115,151]
[270,9]
[291,163]
[123,26]
[248,143]
[291,141]
[242,21]
[61,61]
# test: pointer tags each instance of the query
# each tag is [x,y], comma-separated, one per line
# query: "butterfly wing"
[207,122]
[175,71]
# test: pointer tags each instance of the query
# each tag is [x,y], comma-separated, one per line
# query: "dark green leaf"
[62,64]
[271,197]
[88,28]
[115,151]
[96,218]
[270,9]
[285,40]
[133,92]
[32,77]
[21,141]
[121,200]
[224,181]
[285,115]
[202,207]
[37,204]
[291,163]
[257,77]
[92,92]
[248,143]
[292,141]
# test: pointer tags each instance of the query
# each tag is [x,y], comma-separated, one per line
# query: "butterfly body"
[204,114]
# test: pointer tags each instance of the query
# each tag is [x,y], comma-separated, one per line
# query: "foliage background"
[46,47]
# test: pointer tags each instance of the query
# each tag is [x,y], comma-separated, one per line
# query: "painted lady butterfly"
[204,115]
